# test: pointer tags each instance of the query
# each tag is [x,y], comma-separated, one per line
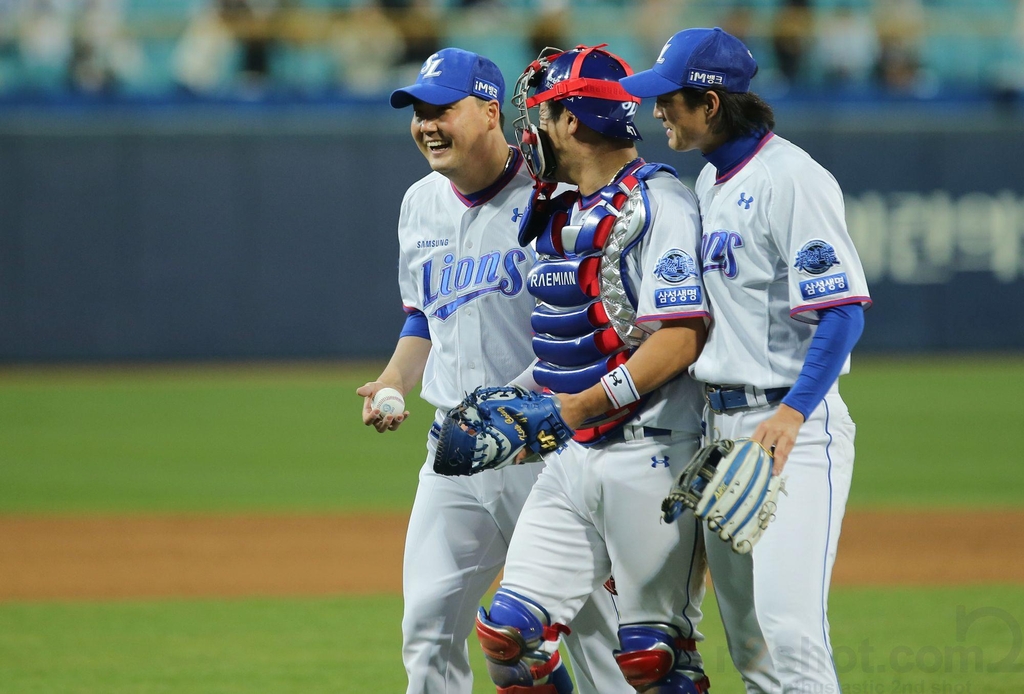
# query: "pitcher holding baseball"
[462,276]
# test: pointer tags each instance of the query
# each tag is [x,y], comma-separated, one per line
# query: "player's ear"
[494,115]
[712,105]
[572,123]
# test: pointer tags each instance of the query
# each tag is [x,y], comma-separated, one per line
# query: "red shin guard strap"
[544,669]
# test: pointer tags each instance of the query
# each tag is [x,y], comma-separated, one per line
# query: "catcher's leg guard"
[650,660]
[521,646]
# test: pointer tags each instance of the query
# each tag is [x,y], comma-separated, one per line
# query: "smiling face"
[454,137]
[687,128]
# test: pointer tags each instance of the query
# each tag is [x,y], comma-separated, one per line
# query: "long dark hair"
[739,114]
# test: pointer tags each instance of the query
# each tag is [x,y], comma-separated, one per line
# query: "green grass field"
[885,641]
[931,433]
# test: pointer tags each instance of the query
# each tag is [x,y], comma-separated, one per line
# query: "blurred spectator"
[549,27]
[738,21]
[847,47]
[366,46]
[103,57]
[44,43]
[233,36]
[901,34]
[205,53]
[1008,73]
[654,22]
[253,22]
[421,33]
[8,44]
[792,28]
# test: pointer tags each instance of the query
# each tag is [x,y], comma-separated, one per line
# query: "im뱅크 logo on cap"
[706,77]
[485,88]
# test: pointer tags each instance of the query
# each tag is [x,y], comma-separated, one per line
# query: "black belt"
[725,398]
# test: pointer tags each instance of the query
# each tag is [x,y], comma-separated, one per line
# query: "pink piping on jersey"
[671,316]
[410,309]
[722,178]
[485,195]
[832,304]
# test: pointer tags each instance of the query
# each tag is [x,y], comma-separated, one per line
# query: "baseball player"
[788,296]
[620,318]
[462,275]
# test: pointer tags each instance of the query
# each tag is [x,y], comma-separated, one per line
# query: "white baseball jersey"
[461,267]
[775,248]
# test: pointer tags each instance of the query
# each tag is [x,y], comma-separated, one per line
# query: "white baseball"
[389,401]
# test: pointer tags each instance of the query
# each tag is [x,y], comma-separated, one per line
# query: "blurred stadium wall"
[166,196]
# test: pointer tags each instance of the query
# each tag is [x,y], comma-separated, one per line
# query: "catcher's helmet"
[585,81]
[574,78]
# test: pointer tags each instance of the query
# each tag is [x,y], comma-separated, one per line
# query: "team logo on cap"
[675,266]
[430,66]
[816,257]
[661,56]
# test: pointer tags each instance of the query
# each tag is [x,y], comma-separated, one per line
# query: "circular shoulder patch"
[675,266]
[816,257]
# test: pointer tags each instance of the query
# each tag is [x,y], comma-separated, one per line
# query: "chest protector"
[584,320]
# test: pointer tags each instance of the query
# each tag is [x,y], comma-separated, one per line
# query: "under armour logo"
[516,214]
[744,200]
[616,379]
[656,461]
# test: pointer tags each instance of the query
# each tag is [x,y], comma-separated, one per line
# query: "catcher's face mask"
[534,144]
[586,78]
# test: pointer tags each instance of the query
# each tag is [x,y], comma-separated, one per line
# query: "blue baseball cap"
[451,75]
[698,58]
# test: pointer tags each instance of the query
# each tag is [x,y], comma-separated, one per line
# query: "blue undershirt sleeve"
[415,325]
[839,328]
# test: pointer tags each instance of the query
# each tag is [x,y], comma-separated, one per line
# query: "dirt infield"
[45,558]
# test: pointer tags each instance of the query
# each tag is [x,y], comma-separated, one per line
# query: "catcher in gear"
[730,485]
[619,319]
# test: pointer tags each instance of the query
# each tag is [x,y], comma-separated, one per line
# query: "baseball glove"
[730,485]
[492,426]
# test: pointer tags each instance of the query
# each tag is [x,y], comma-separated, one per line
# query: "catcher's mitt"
[491,426]
[730,485]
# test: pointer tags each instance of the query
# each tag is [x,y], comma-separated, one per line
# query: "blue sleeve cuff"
[838,330]
[415,325]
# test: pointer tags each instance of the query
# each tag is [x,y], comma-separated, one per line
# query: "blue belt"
[632,432]
[724,398]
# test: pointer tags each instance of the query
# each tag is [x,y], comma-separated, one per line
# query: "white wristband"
[618,386]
